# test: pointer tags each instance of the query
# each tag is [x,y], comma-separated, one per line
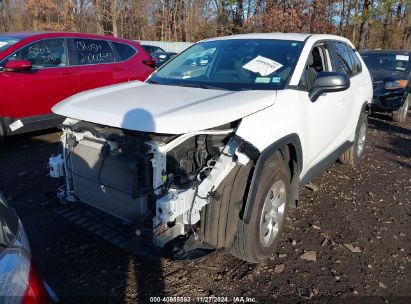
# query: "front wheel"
[356,152]
[256,240]
[401,114]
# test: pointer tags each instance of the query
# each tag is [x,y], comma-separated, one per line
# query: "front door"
[35,92]
[325,117]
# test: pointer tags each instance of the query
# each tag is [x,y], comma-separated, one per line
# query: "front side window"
[48,53]
[91,51]
[238,64]
[343,59]
[318,61]
[388,61]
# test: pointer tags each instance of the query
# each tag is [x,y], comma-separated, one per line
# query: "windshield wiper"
[201,86]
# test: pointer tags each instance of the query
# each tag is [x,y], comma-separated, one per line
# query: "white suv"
[215,145]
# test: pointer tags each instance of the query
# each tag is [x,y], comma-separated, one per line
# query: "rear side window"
[45,53]
[357,67]
[124,51]
[91,51]
[343,59]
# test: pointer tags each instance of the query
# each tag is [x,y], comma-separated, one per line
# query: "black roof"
[394,52]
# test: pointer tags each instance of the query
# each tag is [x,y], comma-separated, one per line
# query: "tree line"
[384,24]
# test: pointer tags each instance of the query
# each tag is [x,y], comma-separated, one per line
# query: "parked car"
[162,58]
[391,73]
[159,55]
[152,49]
[19,279]
[218,155]
[37,70]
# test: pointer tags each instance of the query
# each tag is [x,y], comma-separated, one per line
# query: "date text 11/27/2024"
[209,299]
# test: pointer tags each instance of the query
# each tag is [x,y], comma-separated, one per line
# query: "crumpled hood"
[162,109]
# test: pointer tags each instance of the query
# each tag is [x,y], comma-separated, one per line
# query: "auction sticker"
[262,65]
[2,43]
[16,125]
[262,80]
[402,57]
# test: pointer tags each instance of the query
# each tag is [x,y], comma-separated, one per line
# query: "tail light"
[19,280]
[150,62]
[35,292]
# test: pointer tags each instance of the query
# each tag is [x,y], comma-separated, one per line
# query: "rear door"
[35,92]
[94,62]
[345,61]
[125,69]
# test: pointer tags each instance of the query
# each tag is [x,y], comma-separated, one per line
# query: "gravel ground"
[349,241]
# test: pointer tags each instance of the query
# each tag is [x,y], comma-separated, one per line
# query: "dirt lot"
[356,223]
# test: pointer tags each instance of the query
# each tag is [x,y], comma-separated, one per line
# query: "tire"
[401,114]
[355,153]
[219,218]
[255,241]
[2,130]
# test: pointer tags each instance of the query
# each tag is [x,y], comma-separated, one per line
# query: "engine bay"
[158,183]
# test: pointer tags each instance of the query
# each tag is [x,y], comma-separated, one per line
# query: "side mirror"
[329,82]
[17,66]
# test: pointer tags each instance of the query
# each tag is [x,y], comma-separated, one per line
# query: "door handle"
[69,73]
[340,101]
[117,69]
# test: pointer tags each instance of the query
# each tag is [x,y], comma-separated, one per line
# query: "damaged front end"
[156,183]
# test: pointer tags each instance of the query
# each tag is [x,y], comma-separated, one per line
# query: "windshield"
[238,64]
[6,42]
[389,62]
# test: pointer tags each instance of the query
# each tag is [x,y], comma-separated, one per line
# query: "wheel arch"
[291,149]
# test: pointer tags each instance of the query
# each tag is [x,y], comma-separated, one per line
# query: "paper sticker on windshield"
[262,80]
[276,79]
[263,66]
[402,57]
[2,43]
[16,125]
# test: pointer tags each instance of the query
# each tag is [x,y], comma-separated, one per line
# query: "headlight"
[396,84]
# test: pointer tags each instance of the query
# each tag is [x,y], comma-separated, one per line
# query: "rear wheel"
[2,130]
[356,152]
[401,114]
[256,240]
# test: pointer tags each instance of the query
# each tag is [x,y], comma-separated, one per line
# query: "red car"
[37,70]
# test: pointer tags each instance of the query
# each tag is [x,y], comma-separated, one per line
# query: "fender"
[291,139]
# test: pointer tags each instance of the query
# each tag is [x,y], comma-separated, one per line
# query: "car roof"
[394,52]
[50,34]
[279,36]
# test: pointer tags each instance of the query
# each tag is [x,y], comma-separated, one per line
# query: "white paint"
[162,109]
[16,125]
[262,65]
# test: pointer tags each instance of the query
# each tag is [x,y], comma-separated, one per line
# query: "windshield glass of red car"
[237,64]
[6,42]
